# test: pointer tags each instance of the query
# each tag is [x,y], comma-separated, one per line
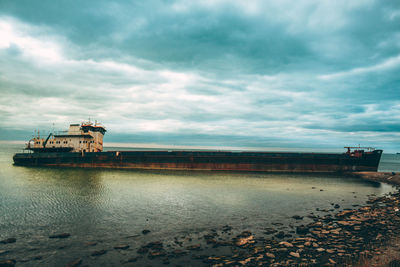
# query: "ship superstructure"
[84,137]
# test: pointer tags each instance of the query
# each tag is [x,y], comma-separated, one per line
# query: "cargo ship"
[82,146]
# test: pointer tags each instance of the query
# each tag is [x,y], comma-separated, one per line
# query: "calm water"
[113,206]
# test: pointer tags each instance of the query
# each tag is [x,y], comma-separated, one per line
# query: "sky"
[287,74]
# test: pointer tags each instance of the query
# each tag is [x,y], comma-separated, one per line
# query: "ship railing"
[60,132]
[360,148]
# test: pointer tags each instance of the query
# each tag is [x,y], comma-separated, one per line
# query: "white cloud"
[390,63]
[12,34]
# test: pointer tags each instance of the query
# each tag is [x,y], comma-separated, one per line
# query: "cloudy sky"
[205,73]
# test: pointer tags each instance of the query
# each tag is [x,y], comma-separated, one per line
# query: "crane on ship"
[47,139]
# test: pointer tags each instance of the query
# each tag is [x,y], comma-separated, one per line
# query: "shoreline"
[392,178]
[357,237]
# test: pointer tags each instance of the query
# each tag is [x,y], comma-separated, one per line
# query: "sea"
[102,208]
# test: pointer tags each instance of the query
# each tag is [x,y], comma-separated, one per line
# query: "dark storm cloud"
[262,72]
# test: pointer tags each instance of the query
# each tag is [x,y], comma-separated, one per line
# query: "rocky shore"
[335,239]
[339,237]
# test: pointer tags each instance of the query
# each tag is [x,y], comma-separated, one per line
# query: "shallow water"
[113,206]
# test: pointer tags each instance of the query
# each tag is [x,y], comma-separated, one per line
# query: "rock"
[321,190]
[178,252]
[226,228]
[332,261]
[336,206]
[320,249]
[143,250]
[74,263]
[345,213]
[286,244]
[294,254]
[3,252]
[301,230]
[123,246]
[241,241]
[297,217]
[269,231]
[270,255]
[7,263]
[194,247]
[90,244]
[63,235]
[99,252]
[210,238]
[281,234]
[156,253]
[145,231]
[245,234]
[313,187]
[153,246]
[244,238]
[134,259]
[8,240]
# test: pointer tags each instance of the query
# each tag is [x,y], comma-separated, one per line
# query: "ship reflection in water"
[111,207]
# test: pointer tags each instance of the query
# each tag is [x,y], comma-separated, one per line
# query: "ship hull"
[207,160]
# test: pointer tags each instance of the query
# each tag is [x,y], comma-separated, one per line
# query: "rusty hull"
[207,160]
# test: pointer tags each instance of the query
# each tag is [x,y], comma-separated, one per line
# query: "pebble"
[8,240]
[145,231]
[270,255]
[63,235]
[194,247]
[90,244]
[7,263]
[99,252]
[281,234]
[74,263]
[297,217]
[286,244]
[123,246]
